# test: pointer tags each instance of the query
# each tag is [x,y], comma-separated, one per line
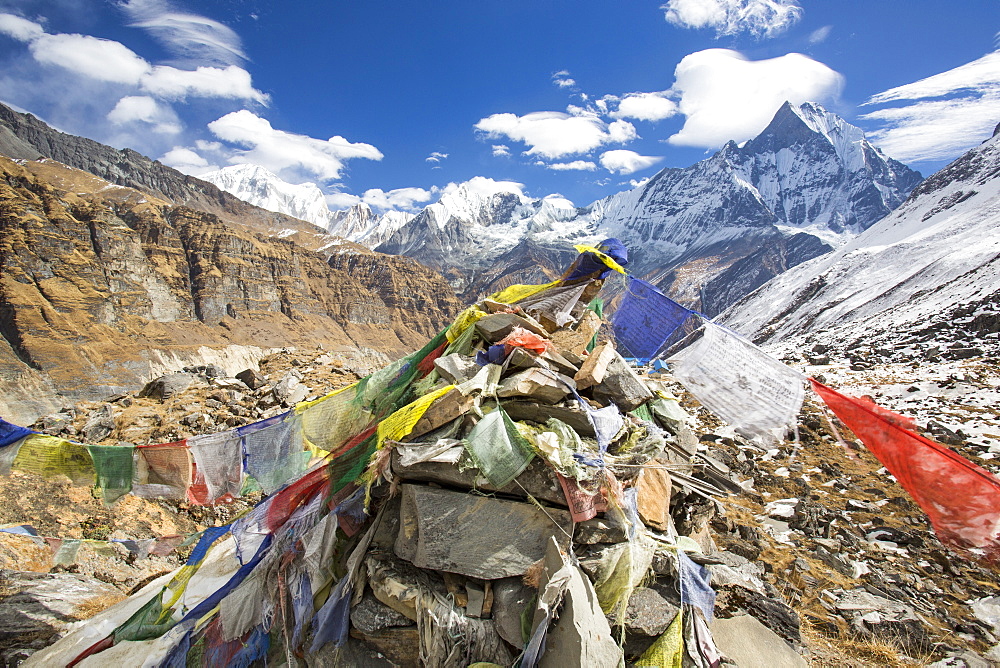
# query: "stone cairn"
[551,508]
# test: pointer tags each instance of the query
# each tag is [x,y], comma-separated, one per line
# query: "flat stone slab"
[752,645]
[538,479]
[475,536]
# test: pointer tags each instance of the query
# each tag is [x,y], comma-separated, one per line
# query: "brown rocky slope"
[103,287]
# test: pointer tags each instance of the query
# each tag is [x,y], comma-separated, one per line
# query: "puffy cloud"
[622,132]
[725,96]
[622,161]
[188,36]
[645,107]
[576,165]
[231,82]
[20,29]
[277,150]
[436,156]
[943,114]
[563,79]
[185,160]
[100,59]
[553,134]
[500,150]
[729,17]
[141,108]
[398,199]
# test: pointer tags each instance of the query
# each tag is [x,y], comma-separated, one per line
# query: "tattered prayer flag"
[331,420]
[64,551]
[402,422]
[11,432]
[645,319]
[8,454]
[162,471]
[113,464]
[739,382]
[582,505]
[49,456]
[667,651]
[695,587]
[498,449]
[219,461]
[273,450]
[961,500]
[516,293]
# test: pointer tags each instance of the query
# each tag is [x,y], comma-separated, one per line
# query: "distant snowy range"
[708,234]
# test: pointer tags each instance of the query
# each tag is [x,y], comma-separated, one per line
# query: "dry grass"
[92,606]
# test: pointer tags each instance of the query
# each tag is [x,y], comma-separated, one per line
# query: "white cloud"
[278,150]
[398,199]
[644,107]
[187,161]
[935,130]
[943,114]
[141,108]
[231,82]
[621,161]
[622,132]
[485,187]
[563,79]
[106,60]
[553,134]
[820,34]
[725,96]
[100,59]
[638,183]
[976,77]
[188,36]
[729,17]
[500,150]
[576,165]
[339,201]
[203,145]
[436,156]
[20,29]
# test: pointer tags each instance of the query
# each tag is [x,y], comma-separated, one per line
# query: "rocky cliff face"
[98,283]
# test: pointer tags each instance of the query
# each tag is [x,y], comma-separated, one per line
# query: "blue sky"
[389,102]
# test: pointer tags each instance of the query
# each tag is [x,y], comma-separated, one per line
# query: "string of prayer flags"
[645,319]
[961,500]
[739,382]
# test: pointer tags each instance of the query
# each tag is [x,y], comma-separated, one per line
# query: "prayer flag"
[961,500]
[739,382]
[645,319]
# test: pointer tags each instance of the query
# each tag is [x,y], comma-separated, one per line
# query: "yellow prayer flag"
[402,422]
[603,257]
[49,456]
[667,651]
[516,293]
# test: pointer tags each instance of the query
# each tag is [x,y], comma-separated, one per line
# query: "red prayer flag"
[961,500]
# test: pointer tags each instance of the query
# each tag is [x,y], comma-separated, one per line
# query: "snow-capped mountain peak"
[260,187]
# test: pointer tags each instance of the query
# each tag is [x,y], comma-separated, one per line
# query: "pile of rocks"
[582,541]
